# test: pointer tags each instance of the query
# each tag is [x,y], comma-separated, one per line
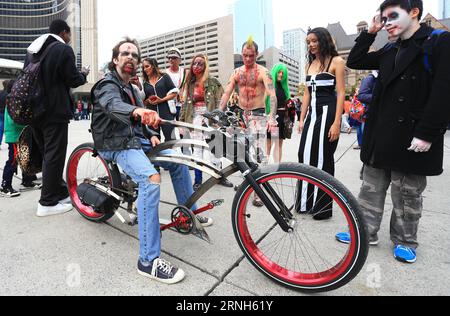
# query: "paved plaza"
[67,255]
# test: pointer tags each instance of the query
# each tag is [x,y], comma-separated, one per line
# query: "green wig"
[284,82]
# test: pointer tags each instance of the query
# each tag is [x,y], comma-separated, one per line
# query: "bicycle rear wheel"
[85,166]
[309,258]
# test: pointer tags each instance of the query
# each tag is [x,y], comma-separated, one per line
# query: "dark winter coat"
[113,127]
[59,74]
[408,102]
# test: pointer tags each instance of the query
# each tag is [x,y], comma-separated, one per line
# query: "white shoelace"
[164,266]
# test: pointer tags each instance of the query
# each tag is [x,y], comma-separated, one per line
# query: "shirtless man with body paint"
[255,84]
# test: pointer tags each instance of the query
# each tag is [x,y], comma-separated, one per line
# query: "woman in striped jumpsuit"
[320,121]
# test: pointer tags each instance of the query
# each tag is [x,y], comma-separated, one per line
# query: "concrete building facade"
[89,38]
[213,38]
[273,56]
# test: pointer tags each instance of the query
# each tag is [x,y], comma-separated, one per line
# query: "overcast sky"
[144,18]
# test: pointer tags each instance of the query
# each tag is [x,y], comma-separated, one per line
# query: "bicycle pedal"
[217,203]
[199,231]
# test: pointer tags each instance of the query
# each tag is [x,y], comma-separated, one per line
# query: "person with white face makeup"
[404,134]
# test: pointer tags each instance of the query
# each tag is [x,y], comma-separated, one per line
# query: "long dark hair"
[154,63]
[327,47]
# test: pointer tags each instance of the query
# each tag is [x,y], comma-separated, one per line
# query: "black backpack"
[24,103]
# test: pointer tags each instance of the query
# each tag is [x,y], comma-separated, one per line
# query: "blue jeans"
[2,124]
[360,133]
[137,165]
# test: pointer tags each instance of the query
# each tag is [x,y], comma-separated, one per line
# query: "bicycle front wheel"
[309,258]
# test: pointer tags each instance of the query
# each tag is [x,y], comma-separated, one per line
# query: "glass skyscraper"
[22,21]
[294,45]
[444,9]
[253,18]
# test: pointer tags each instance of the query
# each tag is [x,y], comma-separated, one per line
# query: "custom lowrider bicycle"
[281,239]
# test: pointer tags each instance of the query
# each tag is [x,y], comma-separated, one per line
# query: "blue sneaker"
[405,254]
[345,238]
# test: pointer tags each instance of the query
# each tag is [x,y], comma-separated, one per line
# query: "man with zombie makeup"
[117,127]
[404,136]
[254,83]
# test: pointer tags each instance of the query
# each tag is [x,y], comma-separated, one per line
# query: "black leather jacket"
[113,127]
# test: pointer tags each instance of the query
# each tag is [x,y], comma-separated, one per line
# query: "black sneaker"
[9,192]
[25,187]
[205,221]
[161,271]
[226,183]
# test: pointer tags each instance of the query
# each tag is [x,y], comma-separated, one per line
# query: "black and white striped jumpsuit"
[315,147]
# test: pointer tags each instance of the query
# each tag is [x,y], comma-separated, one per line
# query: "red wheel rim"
[72,183]
[324,278]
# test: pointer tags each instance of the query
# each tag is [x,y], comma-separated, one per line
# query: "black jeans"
[52,139]
[11,169]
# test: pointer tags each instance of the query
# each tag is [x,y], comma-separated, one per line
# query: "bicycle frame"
[280,212]
[247,221]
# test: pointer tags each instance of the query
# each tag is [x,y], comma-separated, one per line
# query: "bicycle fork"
[280,212]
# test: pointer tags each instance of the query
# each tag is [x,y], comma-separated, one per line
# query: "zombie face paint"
[397,22]
[128,58]
[198,67]
[249,56]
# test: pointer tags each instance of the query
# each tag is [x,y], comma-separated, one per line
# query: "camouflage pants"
[406,191]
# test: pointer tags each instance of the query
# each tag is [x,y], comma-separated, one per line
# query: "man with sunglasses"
[404,137]
[178,76]
[118,119]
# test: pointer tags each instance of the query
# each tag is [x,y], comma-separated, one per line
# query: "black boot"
[226,183]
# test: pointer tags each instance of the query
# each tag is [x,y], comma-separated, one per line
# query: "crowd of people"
[398,111]
[82,110]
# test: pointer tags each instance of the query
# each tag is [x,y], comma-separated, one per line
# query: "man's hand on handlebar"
[155,141]
[148,117]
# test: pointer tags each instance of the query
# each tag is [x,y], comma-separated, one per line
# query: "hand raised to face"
[377,25]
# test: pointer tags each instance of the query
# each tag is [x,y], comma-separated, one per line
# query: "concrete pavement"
[66,255]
